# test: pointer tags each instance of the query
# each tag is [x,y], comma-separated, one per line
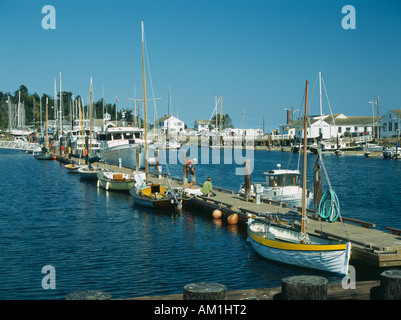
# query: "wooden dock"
[369,245]
[335,291]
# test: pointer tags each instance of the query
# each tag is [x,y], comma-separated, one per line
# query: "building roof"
[397,112]
[336,119]
[202,121]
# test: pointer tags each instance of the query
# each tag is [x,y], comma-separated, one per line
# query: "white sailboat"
[146,193]
[297,247]
[89,172]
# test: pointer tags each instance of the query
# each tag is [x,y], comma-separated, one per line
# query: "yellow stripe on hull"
[277,244]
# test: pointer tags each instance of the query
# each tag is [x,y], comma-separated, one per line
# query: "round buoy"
[216,214]
[233,219]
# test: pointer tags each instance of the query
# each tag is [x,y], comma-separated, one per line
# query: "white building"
[201,125]
[330,126]
[173,124]
[390,123]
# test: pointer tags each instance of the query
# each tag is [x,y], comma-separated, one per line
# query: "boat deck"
[370,245]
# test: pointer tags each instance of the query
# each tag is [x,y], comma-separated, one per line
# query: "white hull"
[106,181]
[330,261]
[127,155]
[270,247]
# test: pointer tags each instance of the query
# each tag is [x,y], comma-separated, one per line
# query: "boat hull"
[107,181]
[151,203]
[333,258]
[86,174]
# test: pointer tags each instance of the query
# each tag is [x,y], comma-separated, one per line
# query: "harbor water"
[99,240]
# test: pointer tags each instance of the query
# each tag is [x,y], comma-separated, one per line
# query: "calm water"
[99,240]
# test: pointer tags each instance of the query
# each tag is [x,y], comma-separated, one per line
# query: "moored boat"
[281,186]
[115,181]
[88,172]
[292,246]
[72,168]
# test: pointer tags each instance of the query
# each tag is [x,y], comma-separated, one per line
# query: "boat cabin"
[282,178]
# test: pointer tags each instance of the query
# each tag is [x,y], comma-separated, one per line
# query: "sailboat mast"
[82,126]
[304,162]
[90,120]
[221,107]
[47,103]
[144,103]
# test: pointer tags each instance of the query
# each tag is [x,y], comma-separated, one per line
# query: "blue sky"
[255,53]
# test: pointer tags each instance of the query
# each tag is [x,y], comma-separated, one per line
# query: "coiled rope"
[329,206]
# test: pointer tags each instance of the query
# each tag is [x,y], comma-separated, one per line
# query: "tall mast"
[321,104]
[304,162]
[90,120]
[61,108]
[221,107]
[55,101]
[82,126]
[144,103]
[47,114]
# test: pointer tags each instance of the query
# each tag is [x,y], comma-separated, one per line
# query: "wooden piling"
[390,284]
[137,164]
[247,175]
[184,167]
[304,288]
[205,291]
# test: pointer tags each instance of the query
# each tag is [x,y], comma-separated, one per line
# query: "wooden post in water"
[156,159]
[247,174]
[205,291]
[390,284]
[184,167]
[304,288]
[138,150]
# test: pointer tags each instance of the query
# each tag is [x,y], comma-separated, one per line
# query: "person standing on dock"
[192,172]
[207,188]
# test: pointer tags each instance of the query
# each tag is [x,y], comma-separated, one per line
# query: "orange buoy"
[216,214]
[233,219]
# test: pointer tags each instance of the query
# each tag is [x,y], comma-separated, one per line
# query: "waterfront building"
[390,123]
[173,124]
[331,126]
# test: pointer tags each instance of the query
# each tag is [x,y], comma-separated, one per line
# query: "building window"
[396,126]
[390,126]
[339,129]
[384,126]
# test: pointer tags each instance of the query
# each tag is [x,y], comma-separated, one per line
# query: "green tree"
[226,121]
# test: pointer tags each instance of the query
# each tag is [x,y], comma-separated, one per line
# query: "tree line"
[32,102]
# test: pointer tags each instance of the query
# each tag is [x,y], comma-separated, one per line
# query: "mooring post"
[156,159]
[138,150]
[390,284]
[304,288]
[205,291]
[184,167]
[247,175]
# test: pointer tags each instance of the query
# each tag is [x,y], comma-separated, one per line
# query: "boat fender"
[107,185]
[98,183]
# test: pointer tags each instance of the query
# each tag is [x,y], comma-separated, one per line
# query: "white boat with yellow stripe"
[290,246]
[286,244]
